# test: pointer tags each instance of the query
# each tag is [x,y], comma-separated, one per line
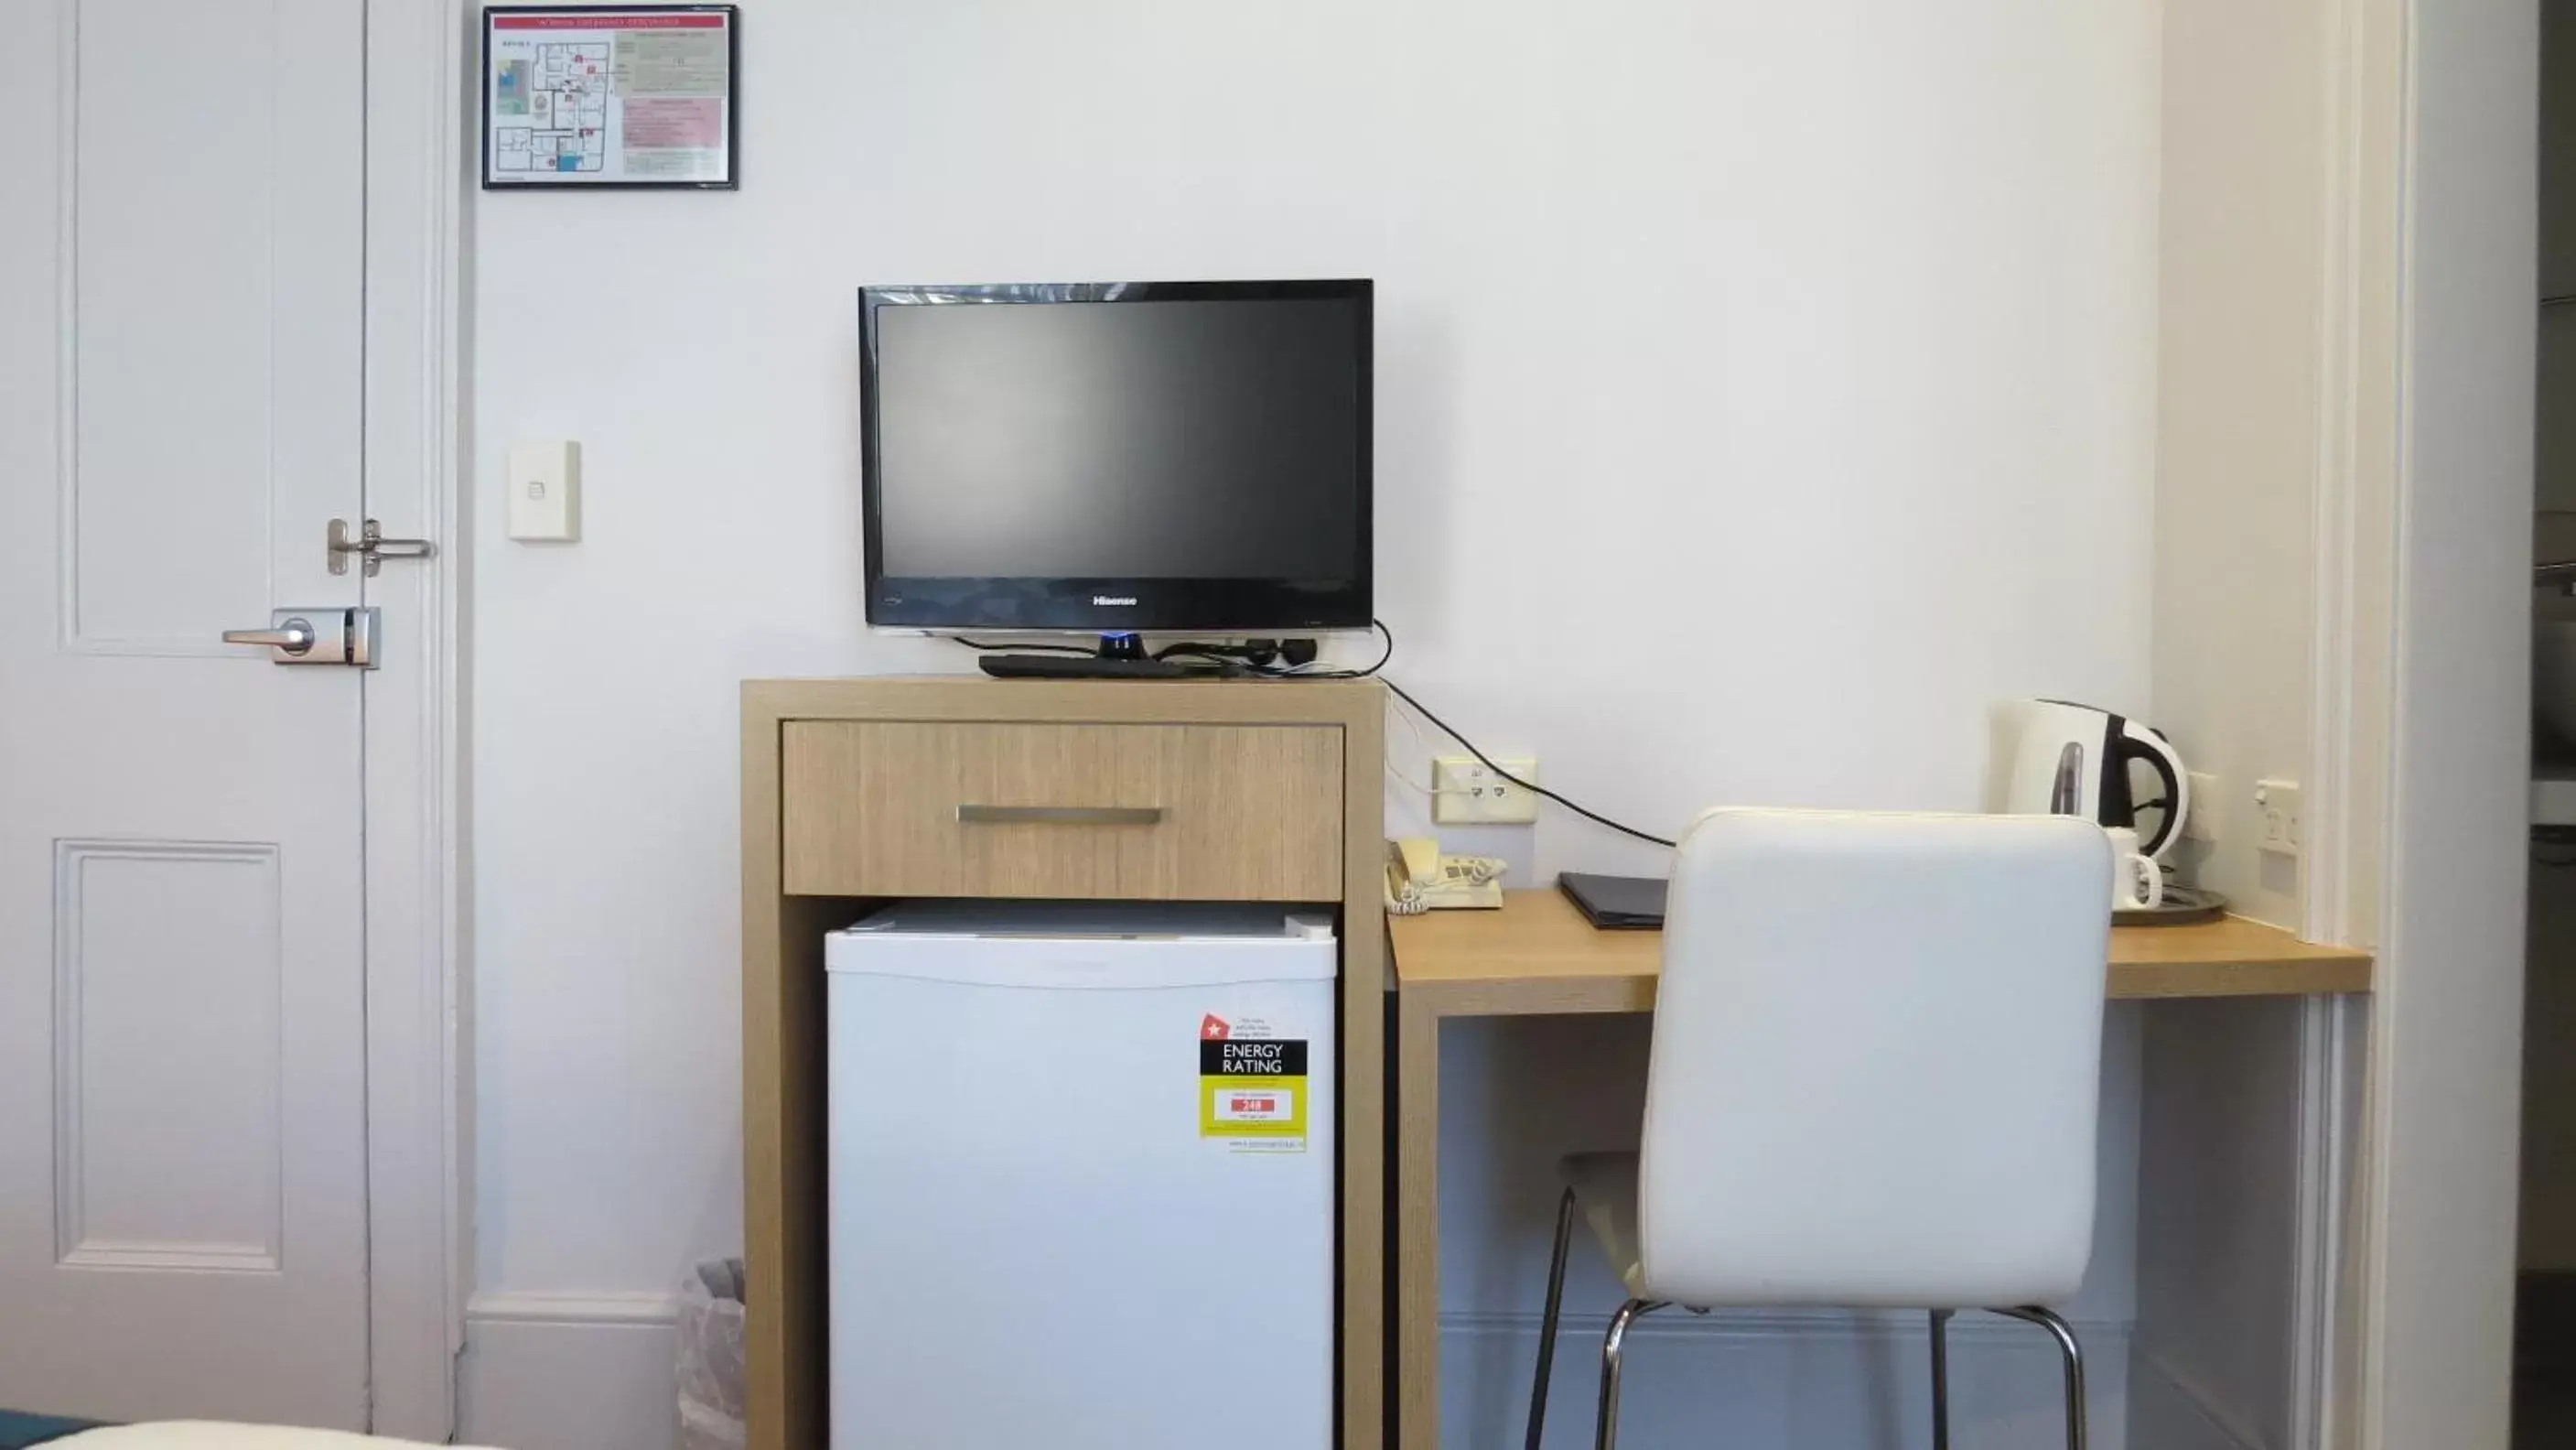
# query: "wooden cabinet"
[1132,812]
[854,791]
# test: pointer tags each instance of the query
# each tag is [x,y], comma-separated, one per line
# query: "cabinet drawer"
[1180,812]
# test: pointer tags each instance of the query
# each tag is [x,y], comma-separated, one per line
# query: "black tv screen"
[1113,456]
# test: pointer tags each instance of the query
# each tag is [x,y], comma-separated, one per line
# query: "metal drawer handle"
[1059,815]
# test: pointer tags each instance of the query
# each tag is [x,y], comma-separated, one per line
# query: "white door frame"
[419,1150]
[2352,707]
[2419,807]
[2446,1044]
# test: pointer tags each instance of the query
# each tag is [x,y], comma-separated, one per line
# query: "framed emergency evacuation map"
[628,96]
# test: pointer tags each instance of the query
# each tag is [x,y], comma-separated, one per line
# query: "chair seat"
[1605,1193]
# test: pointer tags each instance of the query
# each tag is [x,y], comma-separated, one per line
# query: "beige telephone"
[1420,879]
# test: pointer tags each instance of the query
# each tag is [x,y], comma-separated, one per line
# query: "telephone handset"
[1420,879]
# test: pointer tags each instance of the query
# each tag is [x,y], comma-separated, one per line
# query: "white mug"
[2137,884]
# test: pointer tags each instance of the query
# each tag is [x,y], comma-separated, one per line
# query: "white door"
[182,1084]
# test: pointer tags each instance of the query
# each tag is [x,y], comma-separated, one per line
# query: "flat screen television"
[1113,457]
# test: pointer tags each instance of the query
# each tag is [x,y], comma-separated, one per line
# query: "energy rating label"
[1252,1087]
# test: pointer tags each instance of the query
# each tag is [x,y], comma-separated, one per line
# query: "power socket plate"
[2276,813]
[1466,793]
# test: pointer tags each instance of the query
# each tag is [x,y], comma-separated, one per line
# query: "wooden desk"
[1538,956]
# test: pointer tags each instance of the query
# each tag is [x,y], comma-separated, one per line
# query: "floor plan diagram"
[590,95]
[553,108]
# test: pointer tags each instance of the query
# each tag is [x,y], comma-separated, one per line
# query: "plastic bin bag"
[711,1373]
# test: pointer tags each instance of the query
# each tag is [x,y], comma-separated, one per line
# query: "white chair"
[1876,1052]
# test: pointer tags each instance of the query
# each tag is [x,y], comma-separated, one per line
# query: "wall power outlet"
[1466,793]
[2276,805]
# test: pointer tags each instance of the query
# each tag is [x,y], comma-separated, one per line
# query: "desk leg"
[1417,1258]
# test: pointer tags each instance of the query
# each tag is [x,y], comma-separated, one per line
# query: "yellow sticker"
[1252,1090]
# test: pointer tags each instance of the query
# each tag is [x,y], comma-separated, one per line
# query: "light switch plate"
[544,483]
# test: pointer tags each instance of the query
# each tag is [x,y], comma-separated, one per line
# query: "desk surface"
[1538,955]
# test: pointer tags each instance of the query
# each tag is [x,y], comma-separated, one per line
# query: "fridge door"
[1081,1183]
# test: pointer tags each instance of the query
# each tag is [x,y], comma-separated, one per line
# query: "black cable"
[1228,666]
[1383,656]
[1258,655]
[1451,731]
[1225,655]
[1533,788]
[1037,645]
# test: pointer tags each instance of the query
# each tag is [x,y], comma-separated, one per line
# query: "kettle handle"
[2144,742]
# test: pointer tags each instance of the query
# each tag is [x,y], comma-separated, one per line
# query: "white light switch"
[544,481]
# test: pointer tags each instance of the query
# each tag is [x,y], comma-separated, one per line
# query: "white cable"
[1408,782]
[1402,779]
[1421,747]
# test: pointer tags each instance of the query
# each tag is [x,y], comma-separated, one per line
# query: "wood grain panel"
[787,1326]
[1309,747]
[1246,813]
[1364,1365]
[1538,955]
[969,699]
[1416,1352]
[778,1394]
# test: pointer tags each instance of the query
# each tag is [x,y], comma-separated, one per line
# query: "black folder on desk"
[1616,903]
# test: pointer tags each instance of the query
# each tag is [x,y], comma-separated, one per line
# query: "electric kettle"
[2073,760]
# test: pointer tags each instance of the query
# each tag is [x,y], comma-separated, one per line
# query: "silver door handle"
[1059,815]
[295,636]
[344,637]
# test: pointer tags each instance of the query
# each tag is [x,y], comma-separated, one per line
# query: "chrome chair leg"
[1547,1325]
[1613,1345]
[2073,1354]
[1940,1379]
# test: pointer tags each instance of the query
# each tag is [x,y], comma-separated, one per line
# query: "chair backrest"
[1877,1050]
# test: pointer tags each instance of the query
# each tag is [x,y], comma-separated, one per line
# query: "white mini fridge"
[1082,1166]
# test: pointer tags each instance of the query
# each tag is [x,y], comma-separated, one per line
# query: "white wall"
[1763,390]
[2240,338]
[2247,123]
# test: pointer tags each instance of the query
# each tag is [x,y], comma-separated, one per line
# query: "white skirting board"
[1780,1380]
[569,1372]
[593,1372]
